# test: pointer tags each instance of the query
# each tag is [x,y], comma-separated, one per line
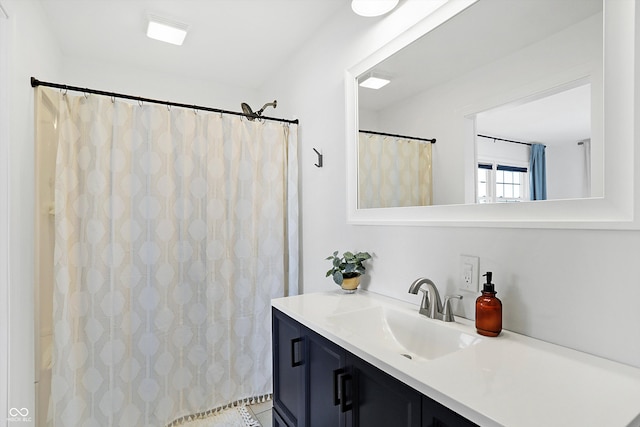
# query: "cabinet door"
[276,420]
[379,400]
[325,367]
[436,415]
[288,369]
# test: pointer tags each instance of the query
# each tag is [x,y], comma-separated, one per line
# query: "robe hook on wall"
[319,164]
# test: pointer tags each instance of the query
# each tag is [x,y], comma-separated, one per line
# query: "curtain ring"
[86,95]
[168,106]
[195,110]
[65,91]
[140,102]
[113,99]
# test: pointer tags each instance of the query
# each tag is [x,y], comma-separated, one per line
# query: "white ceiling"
[472,39]
[235,42]
[477,37]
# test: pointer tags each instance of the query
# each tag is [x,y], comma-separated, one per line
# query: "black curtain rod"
[431,140]
[505,140]
[35,82]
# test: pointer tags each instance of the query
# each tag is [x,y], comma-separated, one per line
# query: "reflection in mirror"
[393,170]
[473,75]
[558,126]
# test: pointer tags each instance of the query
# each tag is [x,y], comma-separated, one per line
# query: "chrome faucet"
[431,305]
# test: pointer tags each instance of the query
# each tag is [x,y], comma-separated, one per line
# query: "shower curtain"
[393,172]
[174,229]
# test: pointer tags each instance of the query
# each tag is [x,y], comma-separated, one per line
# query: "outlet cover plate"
[469,271]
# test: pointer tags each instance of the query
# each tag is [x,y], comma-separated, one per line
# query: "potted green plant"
[346,270]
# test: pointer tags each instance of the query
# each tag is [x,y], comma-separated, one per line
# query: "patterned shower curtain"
[393,172]
[174,229]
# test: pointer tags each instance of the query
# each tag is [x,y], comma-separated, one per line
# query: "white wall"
[4,211]
[503,152]
[571,287]
[566,174]
[155,84]
[32,51]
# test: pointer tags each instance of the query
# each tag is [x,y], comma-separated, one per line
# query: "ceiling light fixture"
[374,81]
[166,30]
[371,8]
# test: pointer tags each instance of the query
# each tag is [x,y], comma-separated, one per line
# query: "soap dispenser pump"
[488,310]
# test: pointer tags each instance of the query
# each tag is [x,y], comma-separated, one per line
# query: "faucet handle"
[447,313]
[424,304]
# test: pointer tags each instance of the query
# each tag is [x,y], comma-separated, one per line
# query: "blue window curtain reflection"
[538,173]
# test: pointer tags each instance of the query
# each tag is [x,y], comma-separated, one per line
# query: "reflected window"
[499,183]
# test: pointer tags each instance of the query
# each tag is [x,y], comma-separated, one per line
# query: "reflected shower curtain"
[174,229]
[393,172]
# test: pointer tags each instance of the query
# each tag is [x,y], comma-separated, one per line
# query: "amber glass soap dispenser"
[488,310]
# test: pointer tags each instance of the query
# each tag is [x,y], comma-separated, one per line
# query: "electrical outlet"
[469,270]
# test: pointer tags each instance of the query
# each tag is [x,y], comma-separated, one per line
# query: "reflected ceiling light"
[165,30]
[374,81]
[373,7]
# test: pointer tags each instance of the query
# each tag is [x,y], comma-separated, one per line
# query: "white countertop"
[509,381]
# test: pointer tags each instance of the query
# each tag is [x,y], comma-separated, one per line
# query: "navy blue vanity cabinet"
[307,372]
[317,383]
[326,392]
[277,420]
[437,415]
[288,369]
[381,400]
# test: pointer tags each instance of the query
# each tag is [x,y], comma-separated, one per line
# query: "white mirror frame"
[620,206]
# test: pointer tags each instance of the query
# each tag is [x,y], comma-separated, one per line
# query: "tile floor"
[262,412]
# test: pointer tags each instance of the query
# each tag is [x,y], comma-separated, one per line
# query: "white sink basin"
[409,334]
